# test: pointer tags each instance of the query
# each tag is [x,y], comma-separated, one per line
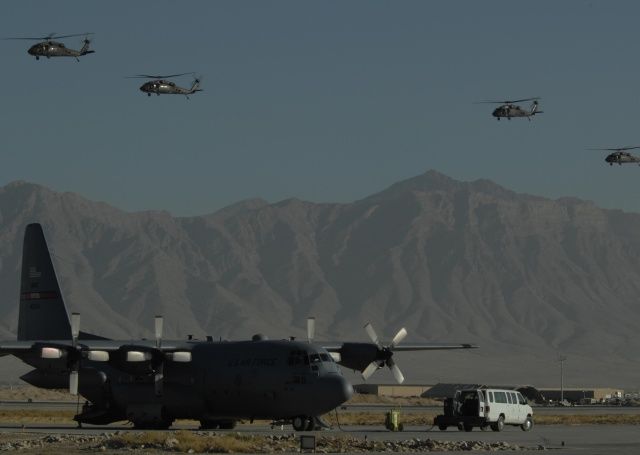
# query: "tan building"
[392,390]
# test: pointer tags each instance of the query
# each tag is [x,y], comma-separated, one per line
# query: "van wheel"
[468,427]
[499,425]
[528,424]
[442,427]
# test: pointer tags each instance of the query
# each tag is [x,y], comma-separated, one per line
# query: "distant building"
[392,390]
[577,395]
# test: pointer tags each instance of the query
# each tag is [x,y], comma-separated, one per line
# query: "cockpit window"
[314,358]
[325,358]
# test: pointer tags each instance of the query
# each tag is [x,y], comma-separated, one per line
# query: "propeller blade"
[371,368]
[402,333]
[158,379]
[372,333]
[75,328]
[311,329]
[158,330]
[73,382]
[397,374]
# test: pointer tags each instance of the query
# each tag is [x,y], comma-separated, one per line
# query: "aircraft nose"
[338,388]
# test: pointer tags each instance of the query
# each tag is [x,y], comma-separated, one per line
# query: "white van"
[486,408]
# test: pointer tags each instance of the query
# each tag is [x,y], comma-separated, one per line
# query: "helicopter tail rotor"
[195,86]
[85,46]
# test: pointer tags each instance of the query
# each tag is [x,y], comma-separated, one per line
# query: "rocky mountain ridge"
[452,261]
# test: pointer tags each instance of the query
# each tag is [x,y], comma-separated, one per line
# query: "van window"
[521,399]
[490,397]
[509,399]
[513,397]
[501,397]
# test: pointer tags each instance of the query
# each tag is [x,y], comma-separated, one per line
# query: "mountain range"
[527,278]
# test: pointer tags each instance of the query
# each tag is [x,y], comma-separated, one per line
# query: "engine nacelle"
[358,356]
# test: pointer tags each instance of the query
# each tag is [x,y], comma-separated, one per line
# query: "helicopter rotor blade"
[154,76]
[615,149]
[48,37]
[506,101]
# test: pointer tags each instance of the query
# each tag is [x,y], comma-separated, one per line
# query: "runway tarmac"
[539,410]
[566,439]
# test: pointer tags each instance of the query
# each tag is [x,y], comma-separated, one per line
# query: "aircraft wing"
[14,347]
[336,347]
[433,347]
[369,357]
[18,347]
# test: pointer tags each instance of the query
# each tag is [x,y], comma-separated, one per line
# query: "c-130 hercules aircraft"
[153,382]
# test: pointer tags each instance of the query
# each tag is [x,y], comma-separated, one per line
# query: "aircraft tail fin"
[42,314]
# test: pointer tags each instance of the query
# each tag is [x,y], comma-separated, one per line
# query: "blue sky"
[323,101]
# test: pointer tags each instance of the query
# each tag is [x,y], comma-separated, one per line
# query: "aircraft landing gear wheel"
[299,423]
[227,424]
[527,425]
[311,424]
[208,425]
[499,425]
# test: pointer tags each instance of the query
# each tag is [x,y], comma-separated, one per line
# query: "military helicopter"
[620,155]
[161,86]
[49,48]
[509,109]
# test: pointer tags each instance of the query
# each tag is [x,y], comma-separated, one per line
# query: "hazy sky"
[323,101]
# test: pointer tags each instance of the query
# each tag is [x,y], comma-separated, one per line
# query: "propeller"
[158,378]
[311,329]
[385,354]
[74,354]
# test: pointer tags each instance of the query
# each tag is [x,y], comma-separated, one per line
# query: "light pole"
[561,359]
